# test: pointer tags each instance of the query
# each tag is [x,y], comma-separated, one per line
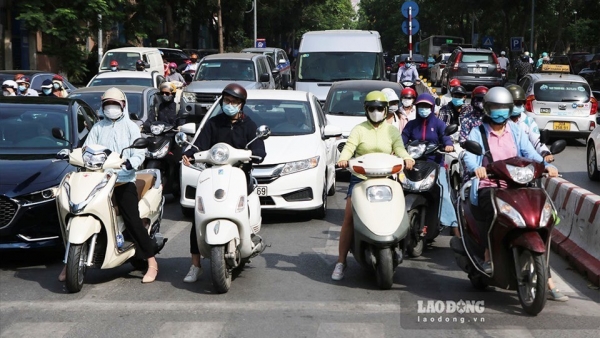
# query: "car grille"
[207,97]
[305,194]
[8,209]
[266,200]
[340,146]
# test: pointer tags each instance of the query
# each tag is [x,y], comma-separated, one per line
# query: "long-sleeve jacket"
[429,129]
[407,74]
[165,112]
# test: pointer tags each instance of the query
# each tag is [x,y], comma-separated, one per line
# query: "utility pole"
[100,51]
[255,9]
[531,38]
[220,25]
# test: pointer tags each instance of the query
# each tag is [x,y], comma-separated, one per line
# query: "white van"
[336,55]
[127,56]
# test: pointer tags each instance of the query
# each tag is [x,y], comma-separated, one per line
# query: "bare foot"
[63,274]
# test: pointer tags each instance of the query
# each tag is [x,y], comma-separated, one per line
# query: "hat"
[172,65]
[23,80]
[425,98]
[47,83]
[9,83]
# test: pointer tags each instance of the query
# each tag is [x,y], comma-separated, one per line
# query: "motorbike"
[378,243]
[164,154]
[519,236]
[409,84]
[227,217]
[93,230]
[423,194]
[188,76]
[504,76]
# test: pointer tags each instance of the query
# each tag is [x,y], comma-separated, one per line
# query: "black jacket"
[220,129]
[166,111]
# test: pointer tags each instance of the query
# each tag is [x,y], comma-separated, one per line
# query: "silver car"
[560,103]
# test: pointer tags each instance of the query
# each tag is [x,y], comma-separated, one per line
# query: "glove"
[127,165]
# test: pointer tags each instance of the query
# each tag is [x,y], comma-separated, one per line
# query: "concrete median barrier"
[577,236]
[425,87]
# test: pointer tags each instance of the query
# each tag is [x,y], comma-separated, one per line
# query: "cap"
[425,98]
[47,83]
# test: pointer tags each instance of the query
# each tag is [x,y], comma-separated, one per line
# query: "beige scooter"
[92,228]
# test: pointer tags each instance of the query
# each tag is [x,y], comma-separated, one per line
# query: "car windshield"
[349,102]
[415,57]
[116,81]
[338,66]
[230,70]
[30,126]
[126,60]
[477,58]
[562,92]
[93,99]
[285,118]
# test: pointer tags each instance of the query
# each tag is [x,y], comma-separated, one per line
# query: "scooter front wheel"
[76,267]
[221,276]
[415,243]
[385,269]
[532,281]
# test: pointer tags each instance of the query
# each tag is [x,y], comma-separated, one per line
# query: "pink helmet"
[172,65]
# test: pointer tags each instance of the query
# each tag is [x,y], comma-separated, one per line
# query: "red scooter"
[519,236]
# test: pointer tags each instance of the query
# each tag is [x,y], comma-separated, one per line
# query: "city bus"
[432,44]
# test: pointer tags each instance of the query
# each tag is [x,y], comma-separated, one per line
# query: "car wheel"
[592,163]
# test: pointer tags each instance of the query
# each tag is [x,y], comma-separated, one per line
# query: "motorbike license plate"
[562,126]
[478,70]
[261,190]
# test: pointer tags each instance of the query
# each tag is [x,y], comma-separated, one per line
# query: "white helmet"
[390,94]
[10,83]
[113,103]
[502,53]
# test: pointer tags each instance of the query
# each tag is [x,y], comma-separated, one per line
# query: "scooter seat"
[143,183]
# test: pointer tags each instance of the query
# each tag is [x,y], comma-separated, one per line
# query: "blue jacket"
[429,129]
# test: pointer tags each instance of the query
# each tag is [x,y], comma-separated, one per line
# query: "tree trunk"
[170,24]
[220,25]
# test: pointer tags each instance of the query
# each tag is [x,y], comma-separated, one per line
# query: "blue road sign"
[516,44]
[261,43]
[414,9]
[415,26]
[487,41]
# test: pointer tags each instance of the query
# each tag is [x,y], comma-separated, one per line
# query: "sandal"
[147,279]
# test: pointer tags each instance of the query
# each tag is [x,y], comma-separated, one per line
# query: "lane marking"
[191,329]
[351,330]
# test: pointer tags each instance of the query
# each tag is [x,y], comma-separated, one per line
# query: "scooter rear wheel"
[385,269]
[532,281]
[415,243]
[221,276]
[76,267]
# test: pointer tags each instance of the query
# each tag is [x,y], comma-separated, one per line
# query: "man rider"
[116,132]
[140,66]
[524,67]
[234,128]
[47,88]
[24,89]
[503,61]
[456,109]
[408,72]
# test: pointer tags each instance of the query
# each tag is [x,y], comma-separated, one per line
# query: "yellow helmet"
[376,98]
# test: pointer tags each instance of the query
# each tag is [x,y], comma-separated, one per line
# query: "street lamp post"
[255,9]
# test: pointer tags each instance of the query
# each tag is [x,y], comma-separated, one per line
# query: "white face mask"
[393,109]
[376,116]
[407,102]
[112,111]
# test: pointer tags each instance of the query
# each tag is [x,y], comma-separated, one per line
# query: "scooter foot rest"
[126,246]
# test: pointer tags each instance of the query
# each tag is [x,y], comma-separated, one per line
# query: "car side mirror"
[133,116]
[331,131]
[264,77]
[58,133]
[451,129]
[473,147]
[558,146]
[275,72]
[146,65]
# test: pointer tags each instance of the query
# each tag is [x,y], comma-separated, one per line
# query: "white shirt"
[191,66]
[503,61]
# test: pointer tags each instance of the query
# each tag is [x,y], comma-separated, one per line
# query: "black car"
[175,55]
[472,67]
[31,168]
[36,77]
[419,62]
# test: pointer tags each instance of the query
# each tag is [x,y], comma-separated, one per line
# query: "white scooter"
[454,163]
[227,219]
[92,228]
[380,219]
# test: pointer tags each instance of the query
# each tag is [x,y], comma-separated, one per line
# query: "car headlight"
[521,175]
[296,166]
[416,151]
[42,195]
[379,193]
[507,210]
[93,160]
[189,97]
[160,153]
[422,185]
[219,154]
[157,129]
[547,212]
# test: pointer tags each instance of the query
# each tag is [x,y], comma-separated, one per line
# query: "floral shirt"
[469,121]
[449,116]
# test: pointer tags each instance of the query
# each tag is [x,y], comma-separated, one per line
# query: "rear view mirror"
[438,101]
[180,139]
[473,147]
[451,129]
[263,132]
[264,77]
[188,128]
[140,143]
[558,146]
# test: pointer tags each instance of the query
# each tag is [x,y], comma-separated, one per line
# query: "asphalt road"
[285,292]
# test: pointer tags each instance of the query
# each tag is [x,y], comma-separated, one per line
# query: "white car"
[435,72]
[298,172]
[127,77]
[593,149]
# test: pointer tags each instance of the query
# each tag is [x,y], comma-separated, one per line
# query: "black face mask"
[194,60]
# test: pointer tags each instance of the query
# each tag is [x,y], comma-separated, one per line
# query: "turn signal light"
[396,169]
[359,170]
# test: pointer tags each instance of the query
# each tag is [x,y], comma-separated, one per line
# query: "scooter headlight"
[379,193]
[521,175]
[160,153]
[94,157]
[219,154]
[157,129]
[416,151]
[547,212]
[507,210]
[422,185]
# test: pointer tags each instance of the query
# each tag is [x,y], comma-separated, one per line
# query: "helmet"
[408,92]
[390,94]
[498,97]
[524,57]
[114,95]
[9,83]
[237,91]
[502,53]
[376,99]
[23,79]
[168,85]
[544,54]
[459,90]
[454,82]
[526,53]
[518,94]
[425,98]
[172,65]
[114,63]
[408,59]
[479,91]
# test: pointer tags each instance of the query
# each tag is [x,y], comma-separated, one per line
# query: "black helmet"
[235,90]
[459,90]
[525,57]
[517,92]
[408,59]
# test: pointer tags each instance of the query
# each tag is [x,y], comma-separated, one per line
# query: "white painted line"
[37,329]
[330,252]
[351,330]
[191,329]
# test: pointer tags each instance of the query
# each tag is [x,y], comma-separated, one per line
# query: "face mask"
[193,60]
[114,69]
[230,109]
[457,102]
[393,109]
[478,105]
[47,91]
[424,112]
[56,86]
[408,65]
[167,98]
[407,102]
[22,88]
[517,110]
[112,111]
[499,116]
[376,116]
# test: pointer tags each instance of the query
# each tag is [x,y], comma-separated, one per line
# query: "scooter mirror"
[180,139]
[438,101]
[58,133]
[140,143]
[263,131]
[473,147]
[414,143]
[558,146]
[451,129]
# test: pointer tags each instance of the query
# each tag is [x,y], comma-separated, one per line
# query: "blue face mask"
[499,116]
[22,88]
[408,65]
[424,112]
[517,110]
[47,91]
[457,102]
[230,110]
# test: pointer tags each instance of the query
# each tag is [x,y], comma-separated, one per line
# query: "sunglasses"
[372,108]
[166,93]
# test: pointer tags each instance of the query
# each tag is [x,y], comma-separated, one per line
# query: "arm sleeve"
[473,161]
[136,156]
[441,130]
[534,137]
[351,144]
[406,131]
[398,147]
[464,131]
[399,75]
[526,147]
[92,137]
[203,141]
